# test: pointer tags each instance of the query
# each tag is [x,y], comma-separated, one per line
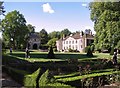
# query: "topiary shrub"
[89,51]
[92,48]
[51,53]
[85,49]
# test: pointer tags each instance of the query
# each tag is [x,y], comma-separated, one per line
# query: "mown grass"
[42,56]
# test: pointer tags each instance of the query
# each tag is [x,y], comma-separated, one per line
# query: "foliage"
[86,76]
[89,51]
[65,33]
[74,61]
[105,16]
[52,42]
[14,29]
[31,28]
[118,45]
[112,51]
[44,47]
[51,53]
[92,48]
[43,36]
[114,78]
[56,85]
[30,80]
[54,34]
[2,11]
[44,78]
[70,50]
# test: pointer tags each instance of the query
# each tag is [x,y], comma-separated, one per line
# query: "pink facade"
[77,42]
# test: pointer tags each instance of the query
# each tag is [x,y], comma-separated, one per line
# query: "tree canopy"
[31,28]
[2,11]
[43,36]
[65,33]
[106,18]
[52,42]
[14,29]
[54,34]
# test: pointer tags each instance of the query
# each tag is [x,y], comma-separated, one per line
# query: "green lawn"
[42,56]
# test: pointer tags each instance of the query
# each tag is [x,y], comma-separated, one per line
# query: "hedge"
[30,80]
[85,76]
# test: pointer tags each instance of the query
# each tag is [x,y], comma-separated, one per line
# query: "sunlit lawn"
[60,56]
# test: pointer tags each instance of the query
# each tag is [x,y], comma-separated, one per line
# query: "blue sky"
[54,16]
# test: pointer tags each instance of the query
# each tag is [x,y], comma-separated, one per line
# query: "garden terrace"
[66,69]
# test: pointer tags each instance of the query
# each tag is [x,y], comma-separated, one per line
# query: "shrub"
[70,50]
[30,80]
[92,48]
[48,80]
[4,51]
[44,79]
[73,61]
[54,49]
[51,53]
[89,52]
[44,47]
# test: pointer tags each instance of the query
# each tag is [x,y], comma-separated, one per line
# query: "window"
[73,47]
[66,42]
[69,42]
[76,46]
[72,42]
[76,41]
[81,46]
[35,39]
[69,46]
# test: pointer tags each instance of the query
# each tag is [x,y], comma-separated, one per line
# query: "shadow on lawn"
[57,56]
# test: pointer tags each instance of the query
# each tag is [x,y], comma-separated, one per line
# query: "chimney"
[81,33]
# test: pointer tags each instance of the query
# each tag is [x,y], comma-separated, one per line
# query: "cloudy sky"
[54,16]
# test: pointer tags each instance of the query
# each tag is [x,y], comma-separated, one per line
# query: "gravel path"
[7,82]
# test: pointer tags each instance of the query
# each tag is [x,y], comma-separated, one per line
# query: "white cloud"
[47,8]
[84,4]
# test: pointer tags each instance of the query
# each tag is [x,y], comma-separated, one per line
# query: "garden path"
[8,82]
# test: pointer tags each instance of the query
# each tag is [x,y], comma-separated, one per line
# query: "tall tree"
[65,33]
[31,28]
[14,29]
[52,42]
[54,34]
[43,36]
[106,18]
[2,11]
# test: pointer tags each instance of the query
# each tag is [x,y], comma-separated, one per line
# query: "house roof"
[34,35]
[77,36]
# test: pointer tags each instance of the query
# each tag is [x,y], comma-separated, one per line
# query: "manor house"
[76,42]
